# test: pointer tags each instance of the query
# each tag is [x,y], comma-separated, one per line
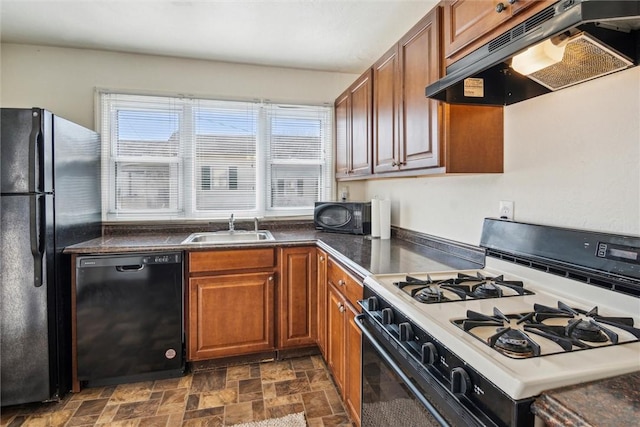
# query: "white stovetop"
[522,378]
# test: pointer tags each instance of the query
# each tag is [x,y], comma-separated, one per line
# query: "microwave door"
[334,217]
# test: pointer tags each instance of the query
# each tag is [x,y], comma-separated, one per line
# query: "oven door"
[398,390]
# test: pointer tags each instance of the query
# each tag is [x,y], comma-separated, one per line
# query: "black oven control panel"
[618,252]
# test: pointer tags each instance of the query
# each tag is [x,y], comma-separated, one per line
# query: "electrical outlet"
[506,209]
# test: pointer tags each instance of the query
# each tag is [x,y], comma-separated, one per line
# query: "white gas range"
[495,338]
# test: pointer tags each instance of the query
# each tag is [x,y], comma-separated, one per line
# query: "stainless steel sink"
[226,236]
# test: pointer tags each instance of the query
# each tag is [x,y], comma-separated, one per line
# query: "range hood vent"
[567,43]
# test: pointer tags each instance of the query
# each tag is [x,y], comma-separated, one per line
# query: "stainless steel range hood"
[593,38]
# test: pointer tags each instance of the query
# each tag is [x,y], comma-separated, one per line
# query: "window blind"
[298,162]
[183,158]
[225,156]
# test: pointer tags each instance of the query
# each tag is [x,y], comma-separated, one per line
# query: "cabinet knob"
[500,7]
[341,282]
[322,258]
[341,307]
[270,278]
[513,1]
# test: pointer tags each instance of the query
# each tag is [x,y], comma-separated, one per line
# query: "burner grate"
[460,288]
[577,330]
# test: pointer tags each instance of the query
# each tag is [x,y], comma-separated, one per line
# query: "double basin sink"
[228,236]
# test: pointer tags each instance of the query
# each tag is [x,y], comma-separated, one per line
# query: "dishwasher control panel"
[163,259]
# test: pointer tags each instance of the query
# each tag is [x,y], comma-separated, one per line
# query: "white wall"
[572,158]
[64,80]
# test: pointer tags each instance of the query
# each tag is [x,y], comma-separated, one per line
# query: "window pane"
[295,186]
[226,139]
[147,133]
[297,154]
[296,138]
[146,186]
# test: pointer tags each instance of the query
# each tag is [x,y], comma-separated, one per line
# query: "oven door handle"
[407,381]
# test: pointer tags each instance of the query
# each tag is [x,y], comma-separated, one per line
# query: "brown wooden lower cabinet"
[343,353]
[336,336]
[230,315]
[230,302]
[321,281]
[232,311]
[353,368]
[297,297]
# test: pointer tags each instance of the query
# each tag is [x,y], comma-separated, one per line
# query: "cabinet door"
[386,99]
[336,339]
[420,66]
[342,108]
[230,315]
[467,20]
[361,112]
[353,364]
[469,24]
[321,282]
[297,297]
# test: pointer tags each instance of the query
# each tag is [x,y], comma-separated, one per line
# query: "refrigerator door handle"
[36,229]
[36,152]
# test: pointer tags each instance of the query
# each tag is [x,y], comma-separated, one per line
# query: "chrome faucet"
[232,226]
[255,223]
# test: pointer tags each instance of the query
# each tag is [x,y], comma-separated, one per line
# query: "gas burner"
[429,294]
[515,343]
[586,331]
[486,290]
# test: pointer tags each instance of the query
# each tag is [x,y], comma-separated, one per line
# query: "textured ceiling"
[330,35]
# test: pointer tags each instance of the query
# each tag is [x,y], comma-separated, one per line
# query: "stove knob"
[429,354]
[406,332]
[460,382]
[372,304]
[387,316]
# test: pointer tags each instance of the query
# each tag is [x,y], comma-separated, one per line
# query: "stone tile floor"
[220,396]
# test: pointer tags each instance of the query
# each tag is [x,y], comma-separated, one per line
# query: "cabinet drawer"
[226,260]
[344,282]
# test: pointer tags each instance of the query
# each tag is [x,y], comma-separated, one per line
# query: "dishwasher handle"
[129,268]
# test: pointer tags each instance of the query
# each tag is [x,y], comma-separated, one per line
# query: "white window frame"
[188,173]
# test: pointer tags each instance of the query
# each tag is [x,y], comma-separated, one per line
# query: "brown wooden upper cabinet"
[414,135]
[405,123]
[353,129]
[469,24]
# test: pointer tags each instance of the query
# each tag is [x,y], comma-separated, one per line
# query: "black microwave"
[343,217]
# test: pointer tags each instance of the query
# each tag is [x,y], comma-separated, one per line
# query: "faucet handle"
[231,223]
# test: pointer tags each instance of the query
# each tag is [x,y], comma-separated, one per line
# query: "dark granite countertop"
[361,253]
[612,402]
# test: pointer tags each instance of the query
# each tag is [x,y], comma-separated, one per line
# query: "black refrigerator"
[50,182]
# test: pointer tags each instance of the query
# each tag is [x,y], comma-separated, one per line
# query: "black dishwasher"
[129,318]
